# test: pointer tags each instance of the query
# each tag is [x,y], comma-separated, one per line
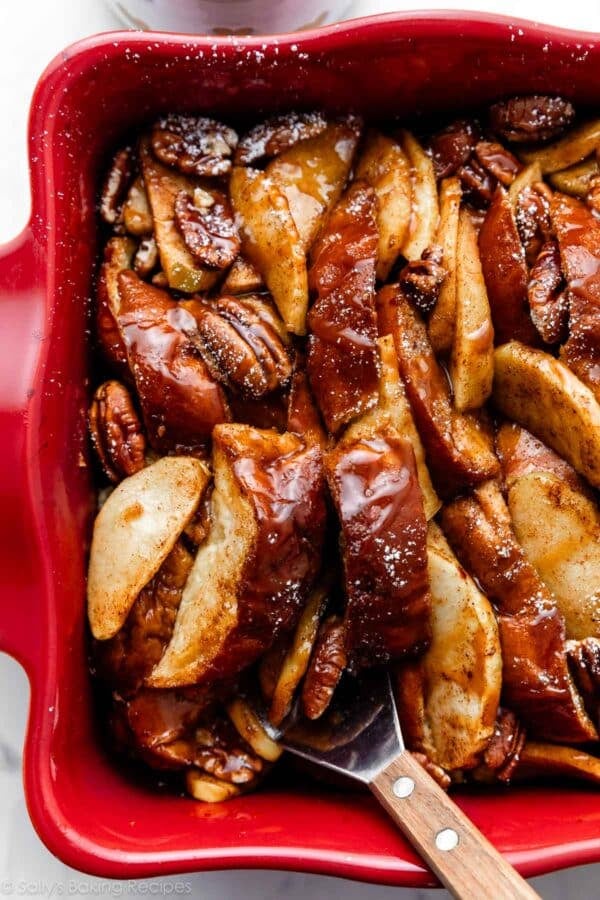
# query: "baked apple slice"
[137,215]
[134,532]
[342,361]
[303,416]
[472,356]
[450,698]
[557,523]
[384,165]
[393,409]
[163,186]
[251,729]
[375,489]
[578,233]
[526,178]
[576,180]
[542,394]
[539,760]
[242,278]
[536,682]
[425,205]
[271,242]
[457,449]
[252,575]
[295,662]
[118,257]
[505,272]
[569,150]
[181,402]
[312,175]
[442,320]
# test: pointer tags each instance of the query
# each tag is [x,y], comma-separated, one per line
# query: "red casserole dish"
[87,810]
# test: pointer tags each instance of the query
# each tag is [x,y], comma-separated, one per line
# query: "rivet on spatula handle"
[462,858]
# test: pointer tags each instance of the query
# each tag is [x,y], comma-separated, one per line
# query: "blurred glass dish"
[228,16]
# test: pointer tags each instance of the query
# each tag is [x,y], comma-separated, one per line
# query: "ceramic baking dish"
[89,812]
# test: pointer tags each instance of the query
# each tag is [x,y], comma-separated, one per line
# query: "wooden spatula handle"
[462,858]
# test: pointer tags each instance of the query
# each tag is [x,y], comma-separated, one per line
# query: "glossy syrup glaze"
[578,234]
[180,401]
[287,493]
[342,359]
[380,506]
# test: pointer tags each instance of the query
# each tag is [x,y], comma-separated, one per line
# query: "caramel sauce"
[287,493]
[342,359]
[181,403]
[375,488]
[578,233]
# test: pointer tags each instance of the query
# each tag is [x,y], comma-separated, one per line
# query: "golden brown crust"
[127,659]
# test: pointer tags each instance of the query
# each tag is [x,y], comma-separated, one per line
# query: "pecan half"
[584,663]
[532,216]
[124,661]
[207,226]
[548,303]
[498,161]
[193,144]
[146,257]
[535,118]
[423,278]
[119,177]
[277,134]
[244,343]
[477,183]
[221,752]
[501,755]
[116,431]
[452,147]
[325,668]
[437,773]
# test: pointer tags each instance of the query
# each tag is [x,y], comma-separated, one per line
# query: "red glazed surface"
[86,810]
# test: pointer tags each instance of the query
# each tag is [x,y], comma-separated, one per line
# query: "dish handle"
[21,330]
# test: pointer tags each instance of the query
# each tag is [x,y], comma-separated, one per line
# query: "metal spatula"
[360,737]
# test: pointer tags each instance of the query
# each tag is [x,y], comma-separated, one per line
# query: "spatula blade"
[358,736]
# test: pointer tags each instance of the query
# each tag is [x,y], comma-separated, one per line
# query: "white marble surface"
[33,31]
